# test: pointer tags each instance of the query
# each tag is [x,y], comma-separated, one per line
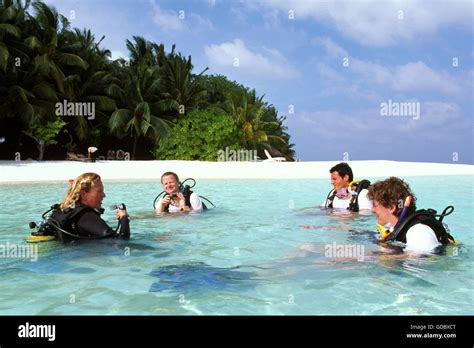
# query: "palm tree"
[279,140]
[247,111]
[51,69]
[90,85]
[181,90]
[141,49]
[10,16]
[14,92]
[48,42]
[24,95]
[138,113]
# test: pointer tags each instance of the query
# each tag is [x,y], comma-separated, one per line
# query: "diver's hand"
[165,201]
[181,200]
[120,214]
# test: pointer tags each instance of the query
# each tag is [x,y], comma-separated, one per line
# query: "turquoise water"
[250,255]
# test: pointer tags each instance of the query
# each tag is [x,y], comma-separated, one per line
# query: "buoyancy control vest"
[354,202]
[426,217]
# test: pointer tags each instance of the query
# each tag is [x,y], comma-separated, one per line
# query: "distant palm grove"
[61,92]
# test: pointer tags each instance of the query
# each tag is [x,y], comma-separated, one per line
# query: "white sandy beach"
[51,171]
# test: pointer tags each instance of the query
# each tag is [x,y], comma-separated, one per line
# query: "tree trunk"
[41,146]
[41,149]
[135,140]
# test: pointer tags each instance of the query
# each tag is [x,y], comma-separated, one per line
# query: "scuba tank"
[360,185]
[56,224]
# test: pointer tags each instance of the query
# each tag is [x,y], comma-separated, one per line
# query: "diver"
[347,193]
[177,198]
[78,216]
[399,222]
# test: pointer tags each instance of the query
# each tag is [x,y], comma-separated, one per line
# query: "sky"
[357,80]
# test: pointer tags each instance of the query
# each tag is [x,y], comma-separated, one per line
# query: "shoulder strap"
[187,196]
[330,198]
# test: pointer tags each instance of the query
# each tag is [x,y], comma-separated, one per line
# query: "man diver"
[174,200]
[418,231]
[343,196]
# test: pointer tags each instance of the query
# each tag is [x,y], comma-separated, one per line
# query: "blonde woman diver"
[78,216]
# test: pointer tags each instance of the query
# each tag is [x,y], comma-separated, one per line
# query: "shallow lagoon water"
[256,253]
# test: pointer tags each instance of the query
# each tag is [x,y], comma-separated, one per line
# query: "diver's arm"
[162,203]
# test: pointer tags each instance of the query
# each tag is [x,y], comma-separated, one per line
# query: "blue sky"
[333,63]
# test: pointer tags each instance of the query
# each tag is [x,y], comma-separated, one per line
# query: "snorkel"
[404,212]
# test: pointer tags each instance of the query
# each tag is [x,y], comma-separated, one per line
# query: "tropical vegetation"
[153,105]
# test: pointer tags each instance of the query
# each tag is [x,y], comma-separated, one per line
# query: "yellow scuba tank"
[39,239]
[353,182]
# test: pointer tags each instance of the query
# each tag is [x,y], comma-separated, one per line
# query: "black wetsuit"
[90,224]
[86,223]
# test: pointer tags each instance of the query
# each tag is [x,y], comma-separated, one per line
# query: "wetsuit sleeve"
[124,231]
[90,224]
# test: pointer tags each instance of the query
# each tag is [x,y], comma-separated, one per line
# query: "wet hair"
[170,173]
[392,192]
[83,183]
[343,169]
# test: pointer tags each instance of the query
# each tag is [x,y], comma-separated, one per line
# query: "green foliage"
[48,132]
[199,137]
[219,88]
[137,102]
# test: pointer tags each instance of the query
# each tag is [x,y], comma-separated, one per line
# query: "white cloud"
[167,20]
[118,54]
[200,22]
[329,74]
[380,23]
[415,76]
[332,48]
[170,20]
[412,76]
[437,120]
[418,76]
[442,114]
[236,55]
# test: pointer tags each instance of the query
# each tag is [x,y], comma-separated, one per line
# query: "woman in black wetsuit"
[81,209]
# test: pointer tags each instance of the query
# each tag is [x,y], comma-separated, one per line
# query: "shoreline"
[12,172]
